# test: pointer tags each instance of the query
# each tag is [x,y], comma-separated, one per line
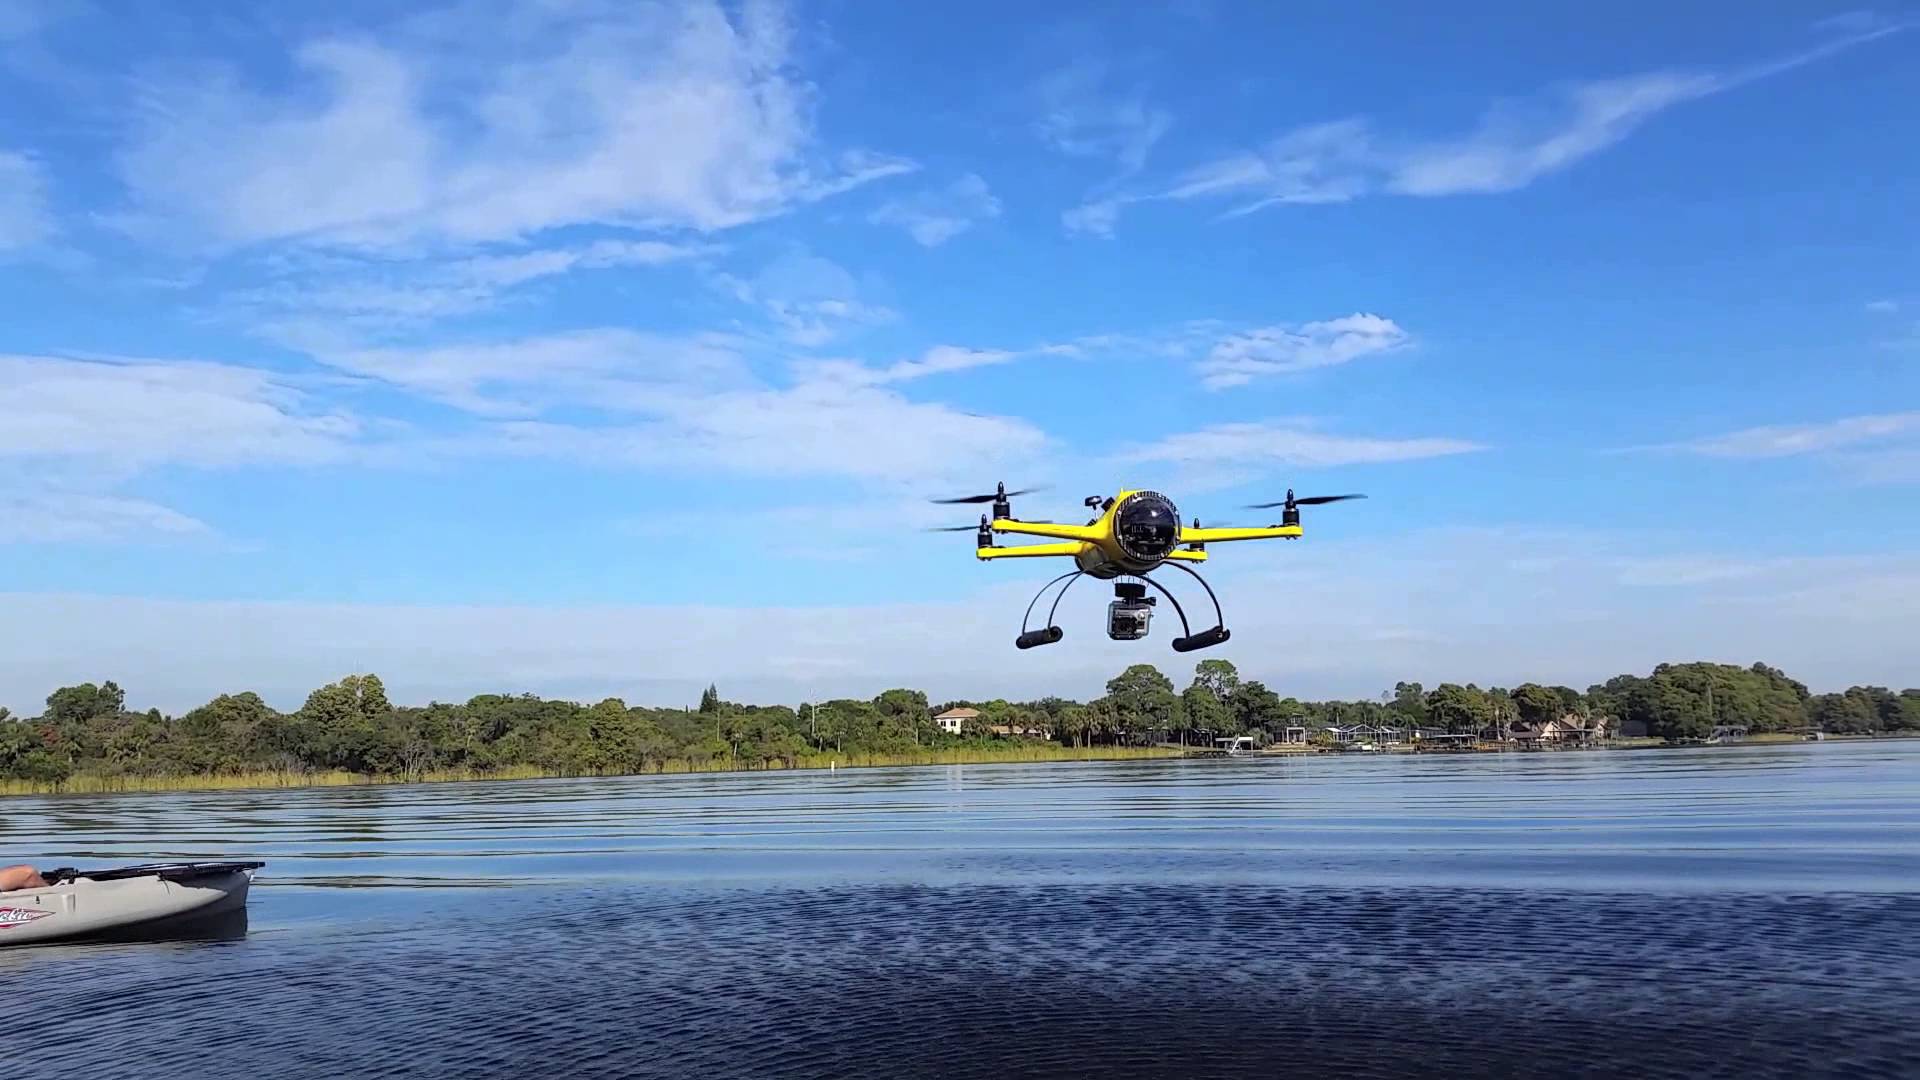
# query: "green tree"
[1843,714]
[1538,704]
[1257,708]
[71,705]
[709,699]
[1459,709]
[1410,702]
[1143,699]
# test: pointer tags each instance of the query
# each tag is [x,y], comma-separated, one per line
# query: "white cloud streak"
[865,433]
[1274,350]
[1514,144]
[623,370]
[1252,446]
[40,515]
[692,403]
[1789,440]
[647,115]
[381,294]
[936,216]
[135,414]
[26,220]
[811,300]
[1080,116]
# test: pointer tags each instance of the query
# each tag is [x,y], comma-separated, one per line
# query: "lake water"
[1744,912]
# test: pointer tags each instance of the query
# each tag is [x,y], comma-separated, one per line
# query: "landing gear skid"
[1131,606]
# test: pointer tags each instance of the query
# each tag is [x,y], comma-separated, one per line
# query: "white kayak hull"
[85,906]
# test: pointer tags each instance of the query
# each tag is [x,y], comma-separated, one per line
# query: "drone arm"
[1028,551]
[1185,555]
[1219,536]
[1047,528]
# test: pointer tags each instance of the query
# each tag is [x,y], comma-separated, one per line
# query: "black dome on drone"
[1147,526]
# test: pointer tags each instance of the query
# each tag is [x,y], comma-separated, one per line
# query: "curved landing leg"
[1049,633]
[1205,638]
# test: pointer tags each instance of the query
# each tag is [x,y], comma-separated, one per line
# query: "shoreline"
[88,784]
[1016,755]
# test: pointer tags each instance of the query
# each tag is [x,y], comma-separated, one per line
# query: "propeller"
[971,528]
[1000,493]
[1311,500]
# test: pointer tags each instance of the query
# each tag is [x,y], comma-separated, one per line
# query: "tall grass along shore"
[89,783]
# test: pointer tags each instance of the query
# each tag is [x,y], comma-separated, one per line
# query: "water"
[1741,912]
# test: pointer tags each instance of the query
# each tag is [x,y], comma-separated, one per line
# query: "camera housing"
[1130,614]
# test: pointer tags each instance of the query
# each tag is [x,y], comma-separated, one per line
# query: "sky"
[612,349]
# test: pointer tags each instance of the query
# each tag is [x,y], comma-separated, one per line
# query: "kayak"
[80,903]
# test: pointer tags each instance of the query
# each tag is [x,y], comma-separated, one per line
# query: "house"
[1294,736]
[1568,728]
[953,720]
[1022,731]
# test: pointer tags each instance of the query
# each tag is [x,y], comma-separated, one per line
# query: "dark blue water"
[1712,912]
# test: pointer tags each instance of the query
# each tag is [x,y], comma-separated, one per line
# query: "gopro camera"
[1131,614]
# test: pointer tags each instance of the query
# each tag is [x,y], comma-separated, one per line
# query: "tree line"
[351,725]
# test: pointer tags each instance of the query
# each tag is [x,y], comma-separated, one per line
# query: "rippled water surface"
[1744,912]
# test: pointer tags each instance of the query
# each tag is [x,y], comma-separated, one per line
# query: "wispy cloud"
[381,295]
[936,216]
[1855,22]
[1514,144]
[26,221]
[1225,454]
[1081,115]
[1790,440]
[1273,350]
[607,369]
[38,514]
[689,403]
[649,115]
[811,300]
[816,428]
[1883,307]
[146,413]
[73,433]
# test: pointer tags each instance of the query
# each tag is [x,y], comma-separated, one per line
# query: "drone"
[1131,535]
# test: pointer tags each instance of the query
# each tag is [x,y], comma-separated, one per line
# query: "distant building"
[1023,731]
[1569,728]
[1294,736]
[953,720]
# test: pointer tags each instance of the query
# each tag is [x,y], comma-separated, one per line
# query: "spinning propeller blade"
[969,528]
[1003,493]
[1311,500]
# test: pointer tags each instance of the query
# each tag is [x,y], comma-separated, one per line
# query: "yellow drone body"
[1099,550]
[1134,533]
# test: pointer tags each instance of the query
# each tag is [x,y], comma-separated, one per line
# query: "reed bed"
[86,784]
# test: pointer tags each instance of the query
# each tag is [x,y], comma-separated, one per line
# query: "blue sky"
[599,348]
